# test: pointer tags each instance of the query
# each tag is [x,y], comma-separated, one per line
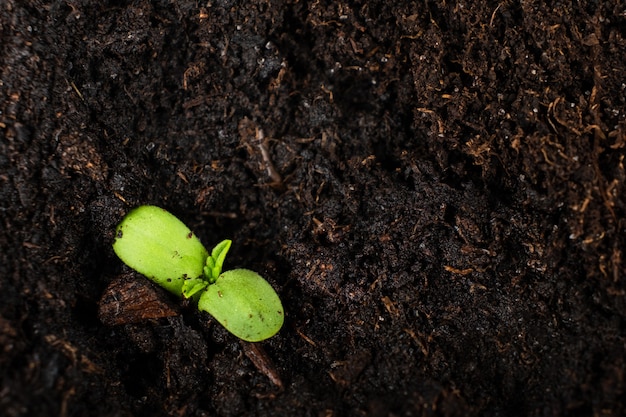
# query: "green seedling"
[156,244]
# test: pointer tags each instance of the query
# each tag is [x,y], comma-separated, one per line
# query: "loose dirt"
[435,189]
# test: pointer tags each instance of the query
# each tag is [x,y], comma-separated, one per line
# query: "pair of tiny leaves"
[158,245]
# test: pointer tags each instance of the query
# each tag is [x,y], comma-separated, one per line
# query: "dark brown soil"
[435,189]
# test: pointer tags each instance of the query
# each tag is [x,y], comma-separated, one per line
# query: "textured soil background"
[435,189]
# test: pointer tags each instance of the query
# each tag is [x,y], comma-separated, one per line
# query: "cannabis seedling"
[156,244]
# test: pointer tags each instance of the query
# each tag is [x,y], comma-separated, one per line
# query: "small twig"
[262,145]
[262,362]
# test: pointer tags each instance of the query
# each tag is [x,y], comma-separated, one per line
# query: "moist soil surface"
[435,190]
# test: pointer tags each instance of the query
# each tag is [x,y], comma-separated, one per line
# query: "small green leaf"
[156,244]
[245,304]
[215,262]
[191,287]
